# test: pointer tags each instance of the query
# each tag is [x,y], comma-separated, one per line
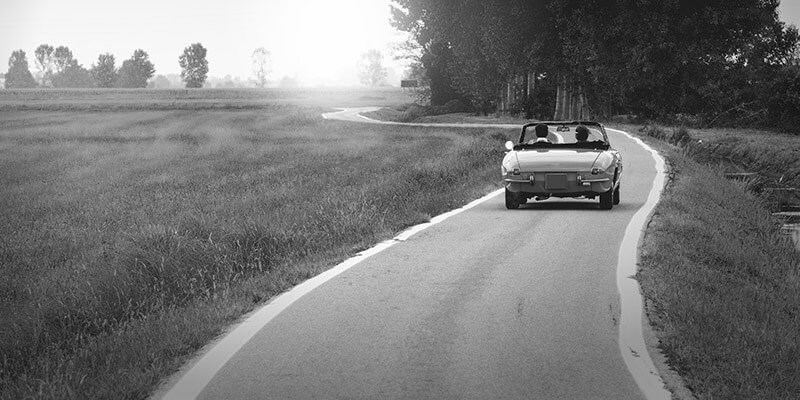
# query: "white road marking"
[200,374]
[631,340]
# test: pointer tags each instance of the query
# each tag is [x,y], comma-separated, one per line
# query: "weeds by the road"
[129,239]
[722,285]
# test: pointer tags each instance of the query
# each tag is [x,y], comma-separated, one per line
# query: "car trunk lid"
[556,159]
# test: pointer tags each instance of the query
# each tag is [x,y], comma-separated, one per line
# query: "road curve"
[486,303]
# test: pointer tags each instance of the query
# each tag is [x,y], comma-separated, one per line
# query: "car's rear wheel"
[616,196]
[512,200]
[607,200]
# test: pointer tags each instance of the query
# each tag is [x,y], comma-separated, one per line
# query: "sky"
[318,42]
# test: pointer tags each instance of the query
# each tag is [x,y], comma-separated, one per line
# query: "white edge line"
[631,337]
[192,383]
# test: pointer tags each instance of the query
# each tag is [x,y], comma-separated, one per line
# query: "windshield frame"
[527,131]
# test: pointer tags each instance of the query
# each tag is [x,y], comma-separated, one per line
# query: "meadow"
[132,233]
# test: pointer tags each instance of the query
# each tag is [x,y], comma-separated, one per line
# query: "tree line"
[58,68]
[710,60]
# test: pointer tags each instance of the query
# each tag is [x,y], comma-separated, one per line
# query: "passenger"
[581,133]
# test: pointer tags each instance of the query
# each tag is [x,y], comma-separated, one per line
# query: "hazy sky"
[318,41]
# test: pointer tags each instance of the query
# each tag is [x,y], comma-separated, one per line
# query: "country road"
[488,303]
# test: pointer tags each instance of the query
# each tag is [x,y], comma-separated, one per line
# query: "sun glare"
[322,41]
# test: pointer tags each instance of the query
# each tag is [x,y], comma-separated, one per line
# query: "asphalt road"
[488,304]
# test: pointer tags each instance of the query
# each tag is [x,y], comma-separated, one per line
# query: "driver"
[541,133]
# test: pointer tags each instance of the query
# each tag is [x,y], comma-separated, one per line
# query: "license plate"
[555,181]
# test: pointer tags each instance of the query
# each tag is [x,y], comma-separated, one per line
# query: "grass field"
[191,99]
[136,225]
[130,237]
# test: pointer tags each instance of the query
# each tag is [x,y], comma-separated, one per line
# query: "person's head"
[541,130]
[581,133]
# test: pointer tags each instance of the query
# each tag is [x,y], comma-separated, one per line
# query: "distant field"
[129,238]
[193,99]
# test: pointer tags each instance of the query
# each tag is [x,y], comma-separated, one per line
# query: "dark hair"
[541,130]
[581,132]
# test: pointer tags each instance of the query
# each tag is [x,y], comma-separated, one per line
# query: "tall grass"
[128,239]
[722,286]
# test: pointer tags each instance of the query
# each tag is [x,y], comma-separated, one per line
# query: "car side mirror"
[509,145]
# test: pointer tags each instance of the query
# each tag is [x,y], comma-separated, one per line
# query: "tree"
[261,66]
[62,58]
[73,75]
[105,71]
[194,66]
[371,71]
[19,74]
[44,63]
[161,82]
[289,82]
[424,20]
[651,58]
[136,70]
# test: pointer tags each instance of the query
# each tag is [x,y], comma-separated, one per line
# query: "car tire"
[607,200]
[512,200]
[616,196]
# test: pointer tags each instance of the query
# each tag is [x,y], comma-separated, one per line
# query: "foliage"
[105,71]
[136,70]
[371,71]
[73,75]
[288,82]
[194,66]
[784,102]
[19,74]
[262,66]
[653,59]
[45,63]
[62,59]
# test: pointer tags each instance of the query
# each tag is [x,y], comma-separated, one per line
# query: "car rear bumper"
[567,184]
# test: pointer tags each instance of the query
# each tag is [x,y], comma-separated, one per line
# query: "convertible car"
[562,159]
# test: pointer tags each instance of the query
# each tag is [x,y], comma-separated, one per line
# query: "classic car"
[566,159]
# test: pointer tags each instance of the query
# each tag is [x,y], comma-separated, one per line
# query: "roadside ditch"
[771,177]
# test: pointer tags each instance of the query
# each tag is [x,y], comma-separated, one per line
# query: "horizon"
[313,41]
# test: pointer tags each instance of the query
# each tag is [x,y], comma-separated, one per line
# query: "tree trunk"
[509,95]
[530,91]
[570,102]
[560,97]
